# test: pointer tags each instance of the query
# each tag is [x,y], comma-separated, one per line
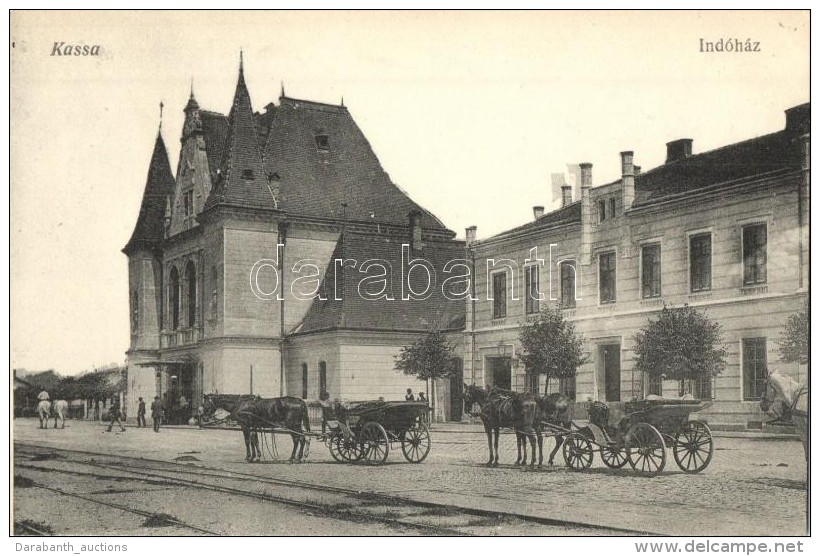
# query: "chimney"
[586,174]
[586,213]
[566,195]
[627,179]
[414,218]
[678,149]
[537,212]
[798,119]
[470,234]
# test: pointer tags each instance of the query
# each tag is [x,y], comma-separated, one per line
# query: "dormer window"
[247,174]
[323,142]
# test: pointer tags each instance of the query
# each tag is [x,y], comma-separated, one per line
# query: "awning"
[176,361]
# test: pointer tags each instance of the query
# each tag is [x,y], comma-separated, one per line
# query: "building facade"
[725,231]
[232,281]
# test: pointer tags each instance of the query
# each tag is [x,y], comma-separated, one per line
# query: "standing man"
[409,397]
[156,412]
[114,415]
[141,414]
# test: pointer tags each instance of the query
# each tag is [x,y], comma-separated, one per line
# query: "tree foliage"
[681,344]
[794,340]
[428,357]
[551,346]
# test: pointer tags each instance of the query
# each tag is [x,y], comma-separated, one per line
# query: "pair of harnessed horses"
[253,414]
[523,412]
[57,409]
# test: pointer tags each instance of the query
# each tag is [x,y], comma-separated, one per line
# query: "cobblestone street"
[755,485]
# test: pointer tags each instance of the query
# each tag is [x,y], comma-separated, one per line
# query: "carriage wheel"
[645,449]
[613,456]
[693,447]
[415,443]
[577,452]
[348,448]
[374,443]
[335,446]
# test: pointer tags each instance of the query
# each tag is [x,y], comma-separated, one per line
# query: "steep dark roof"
[761,155]
[314,181]
[353,312]
[242,181]
[570,214]
[149,230]
[215,130]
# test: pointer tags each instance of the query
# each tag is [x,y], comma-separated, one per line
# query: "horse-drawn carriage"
[639,432]
[365,431]
[359,431]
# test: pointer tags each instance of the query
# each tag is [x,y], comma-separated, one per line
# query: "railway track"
[296,493]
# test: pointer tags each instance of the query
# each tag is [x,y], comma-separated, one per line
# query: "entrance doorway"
[610,357]
[456,391]
[499,372]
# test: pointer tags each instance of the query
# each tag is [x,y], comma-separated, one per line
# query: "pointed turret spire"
[242,180]
[282,91]
[149,230]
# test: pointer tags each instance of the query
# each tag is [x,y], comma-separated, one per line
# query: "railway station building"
[725,231]
[232,281]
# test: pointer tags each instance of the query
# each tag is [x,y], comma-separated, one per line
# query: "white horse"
[44,412]
[788,401]
[59,408]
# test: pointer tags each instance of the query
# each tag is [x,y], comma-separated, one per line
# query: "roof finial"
[192,88]
[343,101]
[241,61]
[161,106]
[282,91]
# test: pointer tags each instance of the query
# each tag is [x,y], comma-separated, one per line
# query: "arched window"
[173,297]
[190,277]
[304,381]
[322,379]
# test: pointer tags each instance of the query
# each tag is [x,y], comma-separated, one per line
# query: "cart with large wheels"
[639,433]
[366,431]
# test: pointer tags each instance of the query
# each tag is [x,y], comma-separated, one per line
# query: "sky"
[469,112]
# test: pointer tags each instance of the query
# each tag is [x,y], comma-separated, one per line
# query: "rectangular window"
[601,210]
[755,369]
[567,285]
[612,207]
[651,270]
[531,279]
[700,262]
[304,381]
[754,254]
[703,388]
[606,277]
[499,295]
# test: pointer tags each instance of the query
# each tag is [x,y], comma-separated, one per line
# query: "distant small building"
[25,396]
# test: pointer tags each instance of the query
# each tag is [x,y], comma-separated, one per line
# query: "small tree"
[794,340]
[429,357]
[683,344]
[551,347]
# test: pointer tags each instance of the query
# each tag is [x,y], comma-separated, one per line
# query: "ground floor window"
[755,368]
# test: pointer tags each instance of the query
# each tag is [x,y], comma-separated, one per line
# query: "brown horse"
[551,409]
[233,404]
[504,409]
[287,413]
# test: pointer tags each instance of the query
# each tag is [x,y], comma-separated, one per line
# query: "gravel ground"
[752,487]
